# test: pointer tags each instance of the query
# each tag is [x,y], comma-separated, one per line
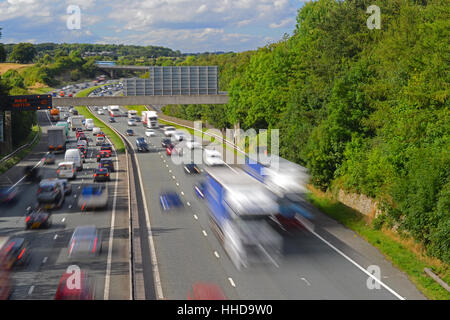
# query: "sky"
[186,25]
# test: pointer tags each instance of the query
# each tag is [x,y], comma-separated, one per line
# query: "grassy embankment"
[404,253]
[84,111]
[11,162]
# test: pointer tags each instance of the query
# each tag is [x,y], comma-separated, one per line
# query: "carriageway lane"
[308,268]
[39,279]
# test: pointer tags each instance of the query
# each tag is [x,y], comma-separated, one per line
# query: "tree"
[2,53]
[23,53]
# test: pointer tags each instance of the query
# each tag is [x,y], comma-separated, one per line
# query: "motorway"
[188,252]
[327,261]
[49,255]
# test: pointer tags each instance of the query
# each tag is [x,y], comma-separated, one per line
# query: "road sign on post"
[29,102]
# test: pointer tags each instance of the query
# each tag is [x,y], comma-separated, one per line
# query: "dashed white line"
[188,204]
[216,254]
[63,219]
[204,233]
[182,193]
[195,217]
[173,177]
[55,237]
[232,282]
[177,184]
[44,260]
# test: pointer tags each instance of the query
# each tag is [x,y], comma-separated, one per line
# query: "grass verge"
[11,162]
[395,251]
[84,111]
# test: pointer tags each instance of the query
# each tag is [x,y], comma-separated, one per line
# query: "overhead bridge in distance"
[221,98]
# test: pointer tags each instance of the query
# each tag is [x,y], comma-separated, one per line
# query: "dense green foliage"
[366,110]
[22,53]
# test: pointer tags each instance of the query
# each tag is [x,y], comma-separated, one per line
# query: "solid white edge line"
[111,233]
[355,264]
[156,276]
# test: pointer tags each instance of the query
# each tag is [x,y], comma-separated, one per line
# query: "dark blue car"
[7,194]
[170,200]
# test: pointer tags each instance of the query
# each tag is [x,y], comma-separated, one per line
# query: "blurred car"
[95,108]
[66,170]
[93,197]
[8,194]
[105,108]
[178,136]
[170,200]
[49,158]
[169,131]
[212,158]
[170,150]
[206,291]
[100,112]
[83,138]
[191,168]
[51,193]
[112,120]
[165,143]
[142,145]
[150,133]
[14,251]
[86,291]
[96,130]
[103,154]
[38,218]
[106,163]
[85,242]
[130,132]
[136,118]
[101,174]
[192,143]
[75,112]
[83,153]
[131,122]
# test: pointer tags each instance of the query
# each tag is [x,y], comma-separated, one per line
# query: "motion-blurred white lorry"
[150,119]
[240,209]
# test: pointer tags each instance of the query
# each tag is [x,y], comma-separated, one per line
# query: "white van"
[74,156]
[89,124]
[66,170]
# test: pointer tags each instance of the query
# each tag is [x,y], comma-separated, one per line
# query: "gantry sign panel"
[29,102]
[171,81]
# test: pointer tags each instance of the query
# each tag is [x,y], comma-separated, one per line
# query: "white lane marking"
[31,290]
[216,254]
[173,177]
[45,260]
[354,263]
[232,282]
[63,219]
[170,171]
[307,282]
[182,193]
[177,184]
[154,261]
[70,206]
[55,237]
[111,233]
[188,204]
[167,165]
[195,217]
[204,233]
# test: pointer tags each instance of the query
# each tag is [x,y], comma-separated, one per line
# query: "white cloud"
[187,25]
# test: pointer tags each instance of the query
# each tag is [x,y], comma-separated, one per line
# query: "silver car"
[85,242]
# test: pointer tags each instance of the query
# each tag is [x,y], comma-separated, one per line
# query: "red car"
[206,291]
[103,154]
[84,292]
[170,149]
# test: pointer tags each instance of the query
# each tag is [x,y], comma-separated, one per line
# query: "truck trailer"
[241,209]
[150,119]
[56,139]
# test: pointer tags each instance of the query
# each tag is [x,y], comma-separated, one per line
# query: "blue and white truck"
[287,180]
[240,209]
